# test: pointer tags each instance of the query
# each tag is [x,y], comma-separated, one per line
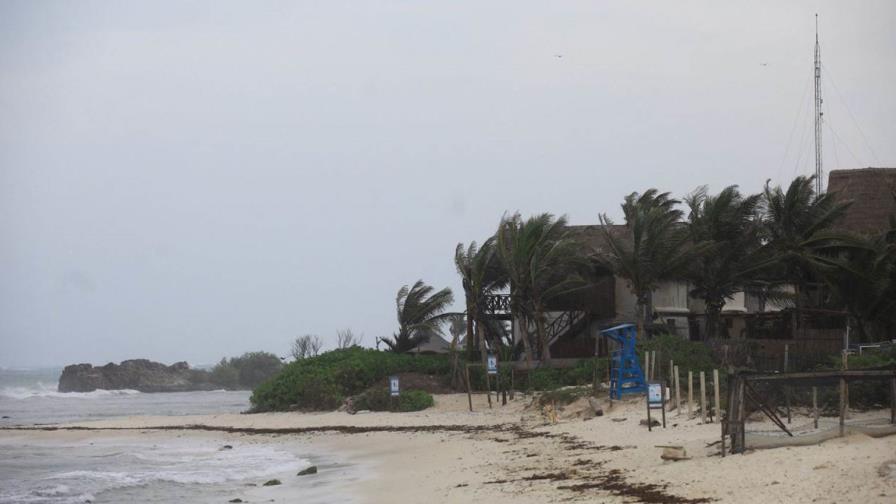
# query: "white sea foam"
[203,464]
[120,466]
[44,391]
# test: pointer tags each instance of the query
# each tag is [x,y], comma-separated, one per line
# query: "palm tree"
[539,259]
[655,248]
[863,282]
[728,225]
[420,313]
[481,275]
[554,270]
[799,245]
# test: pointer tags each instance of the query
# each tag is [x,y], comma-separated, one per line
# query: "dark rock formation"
[307,471]
[138,374]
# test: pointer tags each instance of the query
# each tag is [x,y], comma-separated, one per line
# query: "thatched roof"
[871,192]
[595,238]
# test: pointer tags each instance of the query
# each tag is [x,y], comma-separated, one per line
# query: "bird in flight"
[558,55]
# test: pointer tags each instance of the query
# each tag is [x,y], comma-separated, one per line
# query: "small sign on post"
[492,364]
[656,399]
[393,386]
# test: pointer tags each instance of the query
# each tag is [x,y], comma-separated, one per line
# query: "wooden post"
[512,381]
[842,404]
[594,377]
[715,389]
[671,378]
[469,390]
[742,416]
[498,388]
[653,365]
[690,395]
[702,397]
[893,399]
[815,405]
[488,387]
[647,365]
[787,388]
[677,393]
[845,366]
[728,429]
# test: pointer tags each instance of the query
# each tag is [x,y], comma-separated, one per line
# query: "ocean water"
[145,466]
[29,397]
[128,468]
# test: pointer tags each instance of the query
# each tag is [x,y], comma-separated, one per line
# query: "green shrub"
[415,400]
[379,399]
[225,375]
[544,378]
[246,371]
[563,396]
[323,382]
[688,355]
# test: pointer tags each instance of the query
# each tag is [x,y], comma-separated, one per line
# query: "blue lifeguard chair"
[626,376]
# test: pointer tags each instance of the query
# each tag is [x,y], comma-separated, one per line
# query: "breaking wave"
[47,391]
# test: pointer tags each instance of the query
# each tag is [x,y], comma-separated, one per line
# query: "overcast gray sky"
[188,180]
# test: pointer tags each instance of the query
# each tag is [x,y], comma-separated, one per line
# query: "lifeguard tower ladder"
[626,376]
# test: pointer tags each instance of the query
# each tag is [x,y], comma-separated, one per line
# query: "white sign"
[655,394]
[393,385]
[492,362]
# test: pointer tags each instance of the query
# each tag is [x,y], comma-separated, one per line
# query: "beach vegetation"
[306,346]
[482,274]
[655,247]
[729,226]
[324,382]
[346,338]
[379,399]
[420,310]
[246,371]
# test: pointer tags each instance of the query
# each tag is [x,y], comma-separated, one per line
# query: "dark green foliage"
[728,225]
[653,248]
[415,400]
[224,375]
[869,359]
[545,378]
[378,399]
[688,355]
[246,371]
[564,396]
[421,312]
[323,382]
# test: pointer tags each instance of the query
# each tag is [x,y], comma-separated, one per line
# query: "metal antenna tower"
[818,113]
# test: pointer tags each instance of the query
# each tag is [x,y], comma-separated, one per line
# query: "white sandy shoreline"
[502,459]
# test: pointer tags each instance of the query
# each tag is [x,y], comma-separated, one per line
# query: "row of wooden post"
[488,385]
[674,382]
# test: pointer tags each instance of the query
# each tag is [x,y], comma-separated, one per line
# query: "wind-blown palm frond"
[542,262]
[728,227]
[655,247]
[420,312]
[799,245]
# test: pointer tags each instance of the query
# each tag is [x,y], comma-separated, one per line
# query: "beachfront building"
[574,322]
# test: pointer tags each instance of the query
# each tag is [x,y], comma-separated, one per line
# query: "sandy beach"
[509,454]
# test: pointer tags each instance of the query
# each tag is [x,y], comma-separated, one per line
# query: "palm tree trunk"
[469,340]
[483,351]
[524,334]
[641,308]
[713,313]
[455,360]
[542,336]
